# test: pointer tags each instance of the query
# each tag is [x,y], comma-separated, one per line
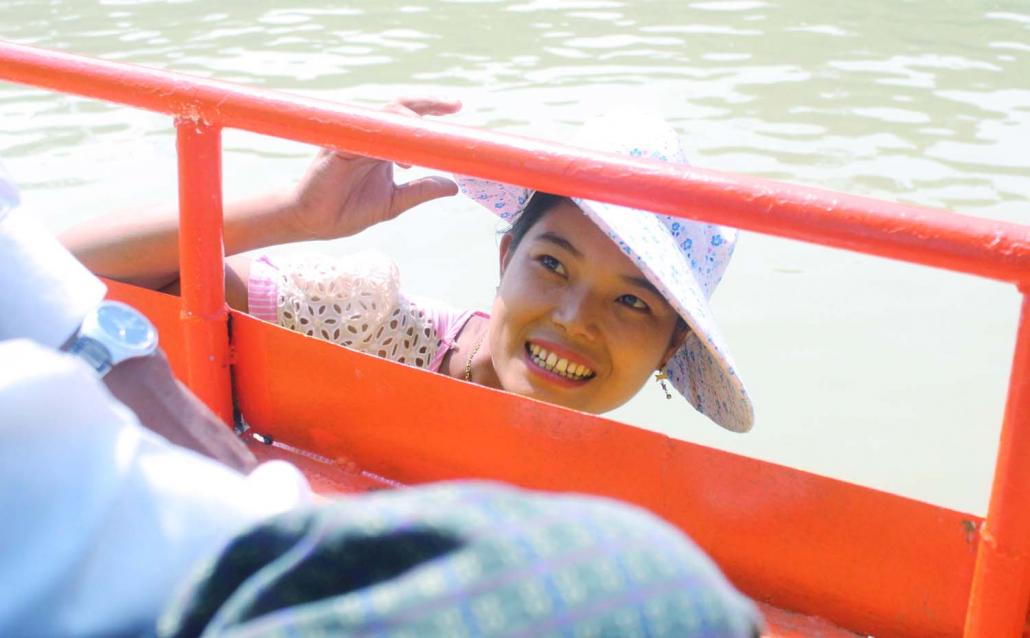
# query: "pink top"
[355,301]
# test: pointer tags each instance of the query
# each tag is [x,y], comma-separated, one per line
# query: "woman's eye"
[552,264]
[634,302]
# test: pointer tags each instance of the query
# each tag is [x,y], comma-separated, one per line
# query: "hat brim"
[702,370]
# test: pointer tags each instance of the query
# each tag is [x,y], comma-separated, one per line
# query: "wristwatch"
[111,333]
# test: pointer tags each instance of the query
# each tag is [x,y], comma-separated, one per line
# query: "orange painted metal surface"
[1001,582]
[784,624]
[201,269]
[869,561]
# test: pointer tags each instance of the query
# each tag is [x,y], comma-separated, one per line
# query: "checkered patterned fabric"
[462,559]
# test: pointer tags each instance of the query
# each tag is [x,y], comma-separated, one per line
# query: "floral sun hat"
[684,259]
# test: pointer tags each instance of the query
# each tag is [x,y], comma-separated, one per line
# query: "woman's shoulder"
[366,268]
[354,300]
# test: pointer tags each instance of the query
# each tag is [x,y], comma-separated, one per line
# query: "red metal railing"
[1000,594]
[204,313]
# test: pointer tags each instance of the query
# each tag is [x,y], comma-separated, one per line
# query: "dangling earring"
[660,377]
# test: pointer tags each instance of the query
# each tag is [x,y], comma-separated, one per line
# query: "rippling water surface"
[885,374]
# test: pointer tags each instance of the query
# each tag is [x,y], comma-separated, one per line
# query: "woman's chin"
[543,390]
[527,379]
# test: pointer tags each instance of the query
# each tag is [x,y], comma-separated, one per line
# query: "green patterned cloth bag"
[462,559]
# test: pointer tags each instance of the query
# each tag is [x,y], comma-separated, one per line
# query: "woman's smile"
[554,363]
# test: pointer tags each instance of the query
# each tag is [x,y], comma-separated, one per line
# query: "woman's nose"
[577,313]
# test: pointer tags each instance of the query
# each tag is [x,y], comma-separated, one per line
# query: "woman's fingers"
[420,191]
[419,106]
[415,107]
[425,106]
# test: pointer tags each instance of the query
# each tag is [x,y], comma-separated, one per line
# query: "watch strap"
[93,352]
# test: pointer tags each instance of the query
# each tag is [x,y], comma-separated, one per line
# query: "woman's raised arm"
[340,195]
[142,248]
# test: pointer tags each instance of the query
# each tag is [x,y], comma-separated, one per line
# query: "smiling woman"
[593,298]
[574,321]
[618,291]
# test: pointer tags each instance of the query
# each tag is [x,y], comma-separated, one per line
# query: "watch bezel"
[102,334]
[117,349]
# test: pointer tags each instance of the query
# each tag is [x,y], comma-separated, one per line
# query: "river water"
[876,372]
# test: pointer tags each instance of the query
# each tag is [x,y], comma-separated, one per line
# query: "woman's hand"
[344,194]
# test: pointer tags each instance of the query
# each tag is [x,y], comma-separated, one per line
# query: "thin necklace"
[468,362]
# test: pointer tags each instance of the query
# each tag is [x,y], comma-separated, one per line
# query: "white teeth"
[558,365]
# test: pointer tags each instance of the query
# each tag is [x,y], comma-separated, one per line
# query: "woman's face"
[575,322]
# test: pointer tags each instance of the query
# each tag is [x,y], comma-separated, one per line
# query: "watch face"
[125,325]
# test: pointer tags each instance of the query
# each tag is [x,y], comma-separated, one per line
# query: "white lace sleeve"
[353,301]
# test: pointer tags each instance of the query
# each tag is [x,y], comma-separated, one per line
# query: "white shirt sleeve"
[103,518]
[44,291]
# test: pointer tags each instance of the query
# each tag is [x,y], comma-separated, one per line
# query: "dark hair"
[538,204]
